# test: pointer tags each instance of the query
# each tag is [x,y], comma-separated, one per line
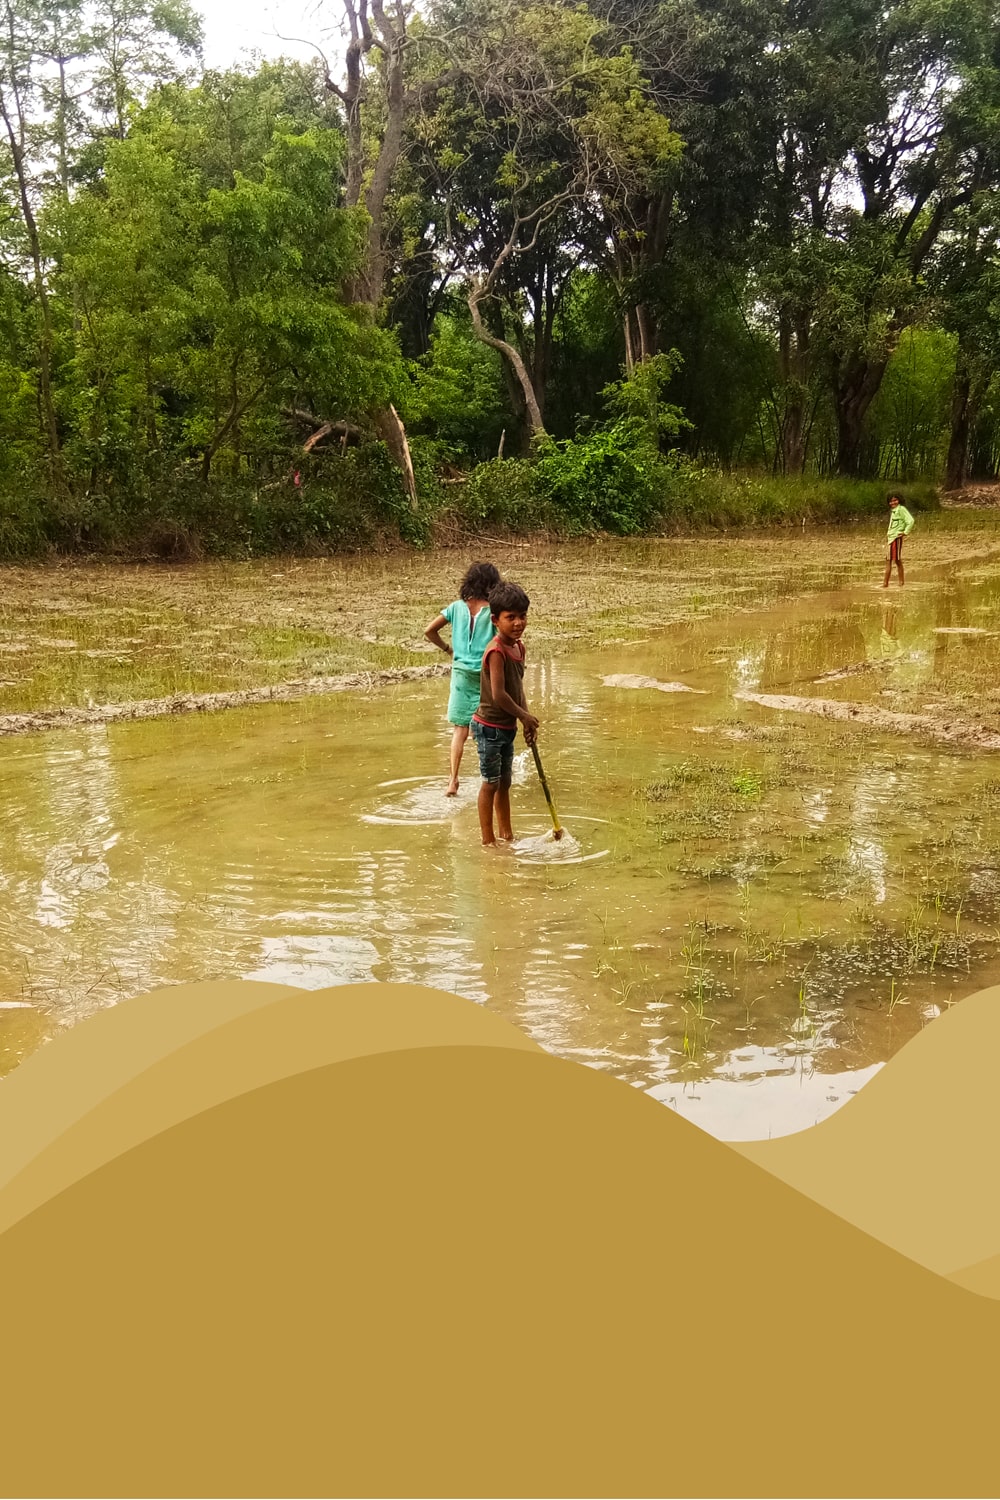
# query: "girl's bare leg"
[459,736]
[899,570]
[487,794]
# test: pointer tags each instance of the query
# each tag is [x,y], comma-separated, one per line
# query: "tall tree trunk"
[647,331]
[532,409]
[630,348]
[855,389]
[385,166]
[546,299]
[394,436]
[46,336]
[388,35]
[648,248]
[793,349]
[793,437]
[961,428]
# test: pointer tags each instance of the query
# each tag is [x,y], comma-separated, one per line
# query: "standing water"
[751,911]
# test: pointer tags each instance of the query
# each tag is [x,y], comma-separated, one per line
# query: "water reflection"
[313,962]
[867,857]
[797,1095]
[750,916]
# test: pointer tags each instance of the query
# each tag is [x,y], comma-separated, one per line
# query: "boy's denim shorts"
[496,752]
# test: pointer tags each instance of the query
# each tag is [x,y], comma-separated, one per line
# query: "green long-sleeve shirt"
[900,523]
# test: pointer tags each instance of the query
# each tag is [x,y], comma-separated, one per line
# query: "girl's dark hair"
[478,581]
[895,495]
[509,596]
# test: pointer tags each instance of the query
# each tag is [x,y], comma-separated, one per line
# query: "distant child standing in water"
[472,629]
[501,705]
[900,525]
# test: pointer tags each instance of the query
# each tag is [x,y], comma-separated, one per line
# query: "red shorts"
[896,550]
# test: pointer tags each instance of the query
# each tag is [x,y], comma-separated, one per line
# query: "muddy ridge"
[949,731]
[185,703]
[985,496]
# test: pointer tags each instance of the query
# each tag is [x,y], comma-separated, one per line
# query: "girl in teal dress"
[472,629]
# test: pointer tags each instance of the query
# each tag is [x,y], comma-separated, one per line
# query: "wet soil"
[754,907]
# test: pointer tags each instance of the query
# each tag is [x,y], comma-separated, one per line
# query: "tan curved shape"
[60,1082]
[474,1271]
[982,1278]
[911,1158]
[294,1032]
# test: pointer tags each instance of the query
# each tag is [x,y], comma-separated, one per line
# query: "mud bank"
[947,731]
[206,703]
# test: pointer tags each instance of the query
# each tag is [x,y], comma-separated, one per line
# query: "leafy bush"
[457,392]
[603,481]
[607,480]
[503,493]
[614,476]
[343,501]
[696,498]
[638,400]
[22,525]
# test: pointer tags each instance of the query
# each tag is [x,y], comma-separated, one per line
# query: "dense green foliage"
[515,264]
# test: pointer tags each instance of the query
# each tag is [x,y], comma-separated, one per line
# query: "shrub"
[503,493]
[22,525]
[696,497]
[603,481]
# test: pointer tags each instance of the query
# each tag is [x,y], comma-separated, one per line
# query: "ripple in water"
[545,849]
[425,804]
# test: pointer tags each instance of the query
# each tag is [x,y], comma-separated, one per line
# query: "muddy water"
[751,913]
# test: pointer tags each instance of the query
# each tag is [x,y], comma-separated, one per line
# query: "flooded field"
[756,906]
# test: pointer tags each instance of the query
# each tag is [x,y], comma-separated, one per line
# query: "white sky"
[240,27]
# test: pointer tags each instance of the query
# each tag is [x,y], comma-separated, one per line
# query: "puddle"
[751,912]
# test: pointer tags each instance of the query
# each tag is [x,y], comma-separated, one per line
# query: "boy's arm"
[433,634]
[505,703]
[909,524]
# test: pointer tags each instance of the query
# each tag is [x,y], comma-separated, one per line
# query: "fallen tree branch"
[323,429]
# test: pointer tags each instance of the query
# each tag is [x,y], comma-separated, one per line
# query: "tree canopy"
[620,236]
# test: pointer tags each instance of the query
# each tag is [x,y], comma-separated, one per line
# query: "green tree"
[966,278]
[210,265]
[527,156]
[136,44]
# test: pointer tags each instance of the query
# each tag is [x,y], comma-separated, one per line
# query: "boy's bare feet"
[452,789]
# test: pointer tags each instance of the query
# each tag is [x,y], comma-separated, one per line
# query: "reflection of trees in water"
[805,649]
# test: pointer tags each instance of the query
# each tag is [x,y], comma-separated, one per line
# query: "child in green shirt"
[472,629]
[900,525]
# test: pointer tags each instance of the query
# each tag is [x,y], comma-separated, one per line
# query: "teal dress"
[469,639]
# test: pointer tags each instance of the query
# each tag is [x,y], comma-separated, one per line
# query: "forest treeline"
[617,265]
